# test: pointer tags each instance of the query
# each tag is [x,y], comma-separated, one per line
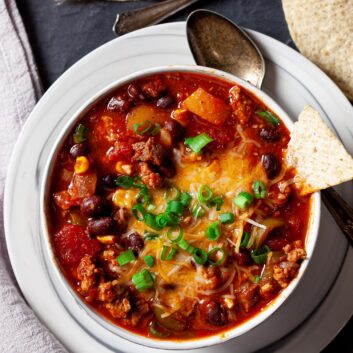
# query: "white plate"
[324,297]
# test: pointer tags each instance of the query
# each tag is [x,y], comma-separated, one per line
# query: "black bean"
[169,286]
[135,92]
[269,134]
[154,89]
[109,181]
[100,226]
[165,102]
[120,217]
[175,129]
[135,242]
[271,165]
[79,149]
[94,206]
[167,169]
[119,104]
[215,314]
[243,258]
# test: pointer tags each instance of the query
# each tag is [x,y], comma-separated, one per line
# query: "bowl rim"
[250,324]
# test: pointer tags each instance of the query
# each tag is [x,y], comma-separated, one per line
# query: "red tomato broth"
[101,138]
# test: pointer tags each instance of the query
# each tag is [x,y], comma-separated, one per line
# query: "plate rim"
[15,157]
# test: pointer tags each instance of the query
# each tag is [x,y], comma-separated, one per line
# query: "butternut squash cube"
[207,107]
[144,113]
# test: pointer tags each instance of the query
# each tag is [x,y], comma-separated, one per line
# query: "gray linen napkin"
[20,329]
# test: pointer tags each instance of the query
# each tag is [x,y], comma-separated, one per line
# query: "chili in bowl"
[169,209]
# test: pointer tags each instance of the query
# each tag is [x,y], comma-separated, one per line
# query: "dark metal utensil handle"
[135,19]
[340,210]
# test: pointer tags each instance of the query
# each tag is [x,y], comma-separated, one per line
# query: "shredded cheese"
[244,138]
[254,223]
[283,184]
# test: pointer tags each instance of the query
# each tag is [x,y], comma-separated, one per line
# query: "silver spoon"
[135,19]
[219,43]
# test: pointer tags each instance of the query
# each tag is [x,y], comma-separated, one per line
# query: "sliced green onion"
[216,201]
[269,117]
[126,257]
[142,280]
[143,196]
[156,129]
[138,183]
[257,279]
[168,253]
[260,255]
[171,234]
[146,128]
[124,181]
[139,212]
[226,217]
[198,142]
[185,199]
[150,235]
[175,207]
[243,200]
[151,207]
[183,244]
[149,260]
[142,128]
[158,333]
[259,189]
[80,134]
[162,220]
[150,220]
[215,252]
[200,256]
[213,231]
[245,240]
[205,194]
[173,194]
[167,219]
[172,218]
[198,211]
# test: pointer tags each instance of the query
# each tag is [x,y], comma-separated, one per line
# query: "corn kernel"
[81,165]
[107,239]
[123,168]
[166,138]
[124,198]
[127,168]
[192,157]
[229,303]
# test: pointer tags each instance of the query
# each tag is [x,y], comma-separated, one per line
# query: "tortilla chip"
[323,32]
[317,154]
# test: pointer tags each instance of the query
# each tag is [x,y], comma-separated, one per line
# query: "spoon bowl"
[219,43]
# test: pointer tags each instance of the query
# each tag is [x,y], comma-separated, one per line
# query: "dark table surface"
[62,34]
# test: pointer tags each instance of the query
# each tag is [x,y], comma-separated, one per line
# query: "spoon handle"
[135,19]
[340,210]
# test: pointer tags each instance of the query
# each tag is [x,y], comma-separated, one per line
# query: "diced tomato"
[72,243]
[122,151]
[64,200]
[83,185]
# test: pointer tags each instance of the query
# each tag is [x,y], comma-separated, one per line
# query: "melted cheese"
[226,174]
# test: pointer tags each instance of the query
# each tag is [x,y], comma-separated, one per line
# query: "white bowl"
[60,280]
